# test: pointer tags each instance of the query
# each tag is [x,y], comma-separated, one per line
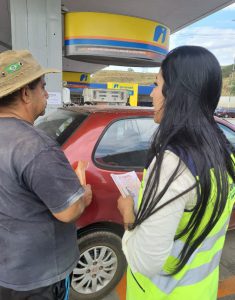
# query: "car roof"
[89,109]
[107,109]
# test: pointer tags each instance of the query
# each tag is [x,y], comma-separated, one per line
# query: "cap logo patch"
[13,67]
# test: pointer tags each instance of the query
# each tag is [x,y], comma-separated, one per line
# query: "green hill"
[105,76]
[227,70]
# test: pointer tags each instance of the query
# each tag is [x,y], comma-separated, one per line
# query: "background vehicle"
[113,140]
[223,112]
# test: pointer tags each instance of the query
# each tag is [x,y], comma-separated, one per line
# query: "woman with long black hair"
[173,243]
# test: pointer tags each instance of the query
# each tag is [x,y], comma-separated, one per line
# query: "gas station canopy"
[115,39]
[38,26]
[124,32]
[175,14]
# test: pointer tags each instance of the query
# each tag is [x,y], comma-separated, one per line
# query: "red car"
[112,140]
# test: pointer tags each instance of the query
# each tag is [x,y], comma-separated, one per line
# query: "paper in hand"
[128,185]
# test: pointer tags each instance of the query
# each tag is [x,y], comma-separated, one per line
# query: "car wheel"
[100,267]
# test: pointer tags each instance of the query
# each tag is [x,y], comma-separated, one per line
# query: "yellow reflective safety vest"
[199,278]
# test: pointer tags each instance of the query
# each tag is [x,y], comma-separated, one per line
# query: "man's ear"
[25,95]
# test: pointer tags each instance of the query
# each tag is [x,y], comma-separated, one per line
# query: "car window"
[229,133]
[125,143]
[61,124]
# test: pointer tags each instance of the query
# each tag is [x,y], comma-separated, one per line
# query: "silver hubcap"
[94,270]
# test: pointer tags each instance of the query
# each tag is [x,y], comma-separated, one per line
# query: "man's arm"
[73,212]
[50,176]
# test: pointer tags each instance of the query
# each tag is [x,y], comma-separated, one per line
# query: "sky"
[215,32]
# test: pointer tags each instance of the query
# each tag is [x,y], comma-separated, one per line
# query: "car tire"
[101,265]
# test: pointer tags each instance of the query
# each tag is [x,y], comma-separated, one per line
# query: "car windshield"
[61,124]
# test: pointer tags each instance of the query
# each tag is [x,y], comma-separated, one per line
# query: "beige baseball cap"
[17,69]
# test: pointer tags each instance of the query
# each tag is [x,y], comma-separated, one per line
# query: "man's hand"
[87,195]
[80,170]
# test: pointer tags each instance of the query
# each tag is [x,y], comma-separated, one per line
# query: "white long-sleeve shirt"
[148,246]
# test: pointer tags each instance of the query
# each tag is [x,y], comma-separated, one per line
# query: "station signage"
[131,88]
[115,39]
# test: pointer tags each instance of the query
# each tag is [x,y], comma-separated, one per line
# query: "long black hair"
[192,88]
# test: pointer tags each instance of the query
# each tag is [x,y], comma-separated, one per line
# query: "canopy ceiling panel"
[175,14]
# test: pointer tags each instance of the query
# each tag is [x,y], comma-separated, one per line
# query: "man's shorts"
[56,291]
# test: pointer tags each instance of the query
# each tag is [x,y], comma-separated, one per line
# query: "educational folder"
[128,184]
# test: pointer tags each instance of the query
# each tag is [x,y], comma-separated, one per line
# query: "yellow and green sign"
[132,89]
[76,77]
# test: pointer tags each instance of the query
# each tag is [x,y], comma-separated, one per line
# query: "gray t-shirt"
[36,180]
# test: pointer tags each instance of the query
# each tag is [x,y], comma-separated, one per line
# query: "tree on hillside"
[227,70]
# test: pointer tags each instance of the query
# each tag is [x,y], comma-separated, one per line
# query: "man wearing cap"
[40,194]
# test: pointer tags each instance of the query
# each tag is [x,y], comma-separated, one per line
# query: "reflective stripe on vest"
[167,284]
[205,246]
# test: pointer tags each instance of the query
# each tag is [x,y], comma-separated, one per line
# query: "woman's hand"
[126,208]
